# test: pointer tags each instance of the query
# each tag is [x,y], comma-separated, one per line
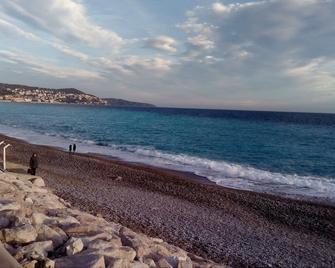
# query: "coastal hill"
[125,103]
[30,94]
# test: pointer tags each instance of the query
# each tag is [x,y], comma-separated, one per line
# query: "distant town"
[28,94]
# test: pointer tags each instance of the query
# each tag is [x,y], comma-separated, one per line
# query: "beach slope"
[234,227]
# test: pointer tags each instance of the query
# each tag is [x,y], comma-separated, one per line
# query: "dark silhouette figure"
[33,164]
[74,147]
[70,148]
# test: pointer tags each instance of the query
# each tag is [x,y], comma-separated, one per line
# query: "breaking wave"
[223,173]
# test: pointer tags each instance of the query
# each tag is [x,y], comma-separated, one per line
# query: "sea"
[282,153]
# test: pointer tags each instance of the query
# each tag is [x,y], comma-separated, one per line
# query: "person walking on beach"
[33,164]
[70,148]
[74,147]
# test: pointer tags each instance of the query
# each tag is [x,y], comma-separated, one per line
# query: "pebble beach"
[229,227]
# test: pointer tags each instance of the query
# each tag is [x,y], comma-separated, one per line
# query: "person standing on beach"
[70,148]
[33,164]
[74,147]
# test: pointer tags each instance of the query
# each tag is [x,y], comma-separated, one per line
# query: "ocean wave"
[237,175]
[221,172]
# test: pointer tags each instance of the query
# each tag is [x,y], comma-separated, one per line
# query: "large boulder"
[138,264]
[45,200]
[81,261]
[125,253]
[117,263]
[112,240]
[185,263]
[102,244]
[4,222]
[20,235]
[87,229]
[74,246]
[9,205]
[39,182]
[47,233]
[37,250]
[163,263]
[39,218]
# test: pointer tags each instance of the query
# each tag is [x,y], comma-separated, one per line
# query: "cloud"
[163,43]
[153,64]
[68,51]
[201,41]
[64,19]
[221,9]
[37,65]
[313,73]
[268,54]
[265,36]
[7,27]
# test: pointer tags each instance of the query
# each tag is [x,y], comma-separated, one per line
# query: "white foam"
[221,172]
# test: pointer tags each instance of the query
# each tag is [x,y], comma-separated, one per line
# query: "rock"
[82,229]
[29,264]
[40,190]
[150,262]
[21,220]
[39,182]
[21,235]
[37,250]
[101,244]
[173,260]
[118,263]
[2,237]
[18,256]
[10,249]
[157,240]
[131,239]
[165,250]
[4,222]
[138,264]
[65,203]
[49,264]
[39,218]
[163,263]
[28,200]
[66,221]
[114,240]
[141,249]
[9,205]
[81,261]
[74,246]
[158,250]
[47,233]
[185,263]
[45,200]
[126,253]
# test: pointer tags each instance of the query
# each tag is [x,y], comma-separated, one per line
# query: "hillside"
[125,103]
[31,94]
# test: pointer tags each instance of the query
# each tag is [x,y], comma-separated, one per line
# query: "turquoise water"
[286,153]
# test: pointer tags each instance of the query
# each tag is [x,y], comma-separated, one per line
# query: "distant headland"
[31,94]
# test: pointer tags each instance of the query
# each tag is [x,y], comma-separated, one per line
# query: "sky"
[251,55]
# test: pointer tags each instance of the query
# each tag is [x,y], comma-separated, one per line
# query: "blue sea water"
[282,153]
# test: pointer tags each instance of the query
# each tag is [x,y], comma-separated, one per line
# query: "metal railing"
[4,160]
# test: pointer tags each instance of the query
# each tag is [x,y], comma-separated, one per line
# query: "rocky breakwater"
[39,229]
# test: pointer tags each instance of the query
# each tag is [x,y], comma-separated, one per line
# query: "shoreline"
[189,175]
[235,227]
